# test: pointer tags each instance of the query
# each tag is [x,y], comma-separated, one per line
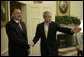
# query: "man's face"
[47,17]
[17,14]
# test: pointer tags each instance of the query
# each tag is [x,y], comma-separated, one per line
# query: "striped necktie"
[19,26]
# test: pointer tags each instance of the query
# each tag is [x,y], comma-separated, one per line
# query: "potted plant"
[67,20]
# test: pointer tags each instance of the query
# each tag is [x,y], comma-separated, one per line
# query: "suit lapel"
[43,31]
[23,27]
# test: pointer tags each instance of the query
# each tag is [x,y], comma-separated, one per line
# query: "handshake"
[31,43]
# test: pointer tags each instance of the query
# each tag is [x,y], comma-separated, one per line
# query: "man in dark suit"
[47,32]
[17,35]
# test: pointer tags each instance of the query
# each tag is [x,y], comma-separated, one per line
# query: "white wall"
[4,42]
[76,9]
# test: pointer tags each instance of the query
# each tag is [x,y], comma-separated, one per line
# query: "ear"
[12,16]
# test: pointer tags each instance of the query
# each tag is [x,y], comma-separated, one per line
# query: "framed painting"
[63,8]
[37,1]
[4,13]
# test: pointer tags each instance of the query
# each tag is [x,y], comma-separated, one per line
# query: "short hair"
[11,12]
[45,13]
[16,9]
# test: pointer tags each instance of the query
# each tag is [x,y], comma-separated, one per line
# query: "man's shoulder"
[10,22]
[52,22]
[56,23]
[41,23]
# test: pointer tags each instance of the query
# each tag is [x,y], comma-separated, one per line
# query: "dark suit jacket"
[50,43]
[18,43]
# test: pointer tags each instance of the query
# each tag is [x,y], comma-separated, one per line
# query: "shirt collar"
[16,21]
[46,23]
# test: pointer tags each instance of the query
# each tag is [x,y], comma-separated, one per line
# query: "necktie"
[20,26]
[46,30]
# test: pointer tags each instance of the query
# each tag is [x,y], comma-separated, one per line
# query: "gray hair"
[45,13]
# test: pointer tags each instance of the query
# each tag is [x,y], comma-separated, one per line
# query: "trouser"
[18,52]
[47,53]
